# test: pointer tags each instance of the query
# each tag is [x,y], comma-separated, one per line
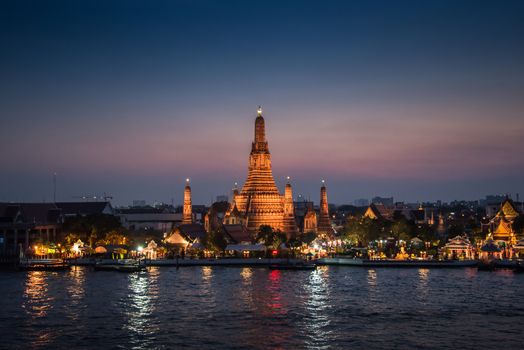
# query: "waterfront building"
[518,249]
[502,223]
[459,247]
[185,235]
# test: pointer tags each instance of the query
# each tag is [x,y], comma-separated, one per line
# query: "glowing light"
[75,248]
[259,110]
[140,248]
[187,180]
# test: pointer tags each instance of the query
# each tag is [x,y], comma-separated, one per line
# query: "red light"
[274,252]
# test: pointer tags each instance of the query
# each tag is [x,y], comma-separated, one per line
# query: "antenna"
[54,187]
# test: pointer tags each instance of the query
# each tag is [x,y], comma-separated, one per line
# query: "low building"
[138,219]
[23,224]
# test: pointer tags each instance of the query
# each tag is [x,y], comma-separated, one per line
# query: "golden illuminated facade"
[502,223]
[259,202]
[187,211]
[324,221]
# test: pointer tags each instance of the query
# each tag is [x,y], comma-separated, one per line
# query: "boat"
[397,263]
[293,266]
[120,265]
[43,264]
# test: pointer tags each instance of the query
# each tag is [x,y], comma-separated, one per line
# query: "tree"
[361,231]
[518,224]
[85,226]
[114,238]
[271,239]
[215,240]
[307,237]
[401,229]
[71,238]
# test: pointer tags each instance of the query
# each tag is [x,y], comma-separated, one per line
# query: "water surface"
[256,308]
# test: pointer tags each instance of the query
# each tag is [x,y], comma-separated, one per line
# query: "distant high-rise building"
[222,198]
[385,201]
[361,202]
[137,203]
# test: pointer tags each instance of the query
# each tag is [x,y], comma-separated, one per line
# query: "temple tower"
[324,222]
[289,224]
[260,201]
[187,217]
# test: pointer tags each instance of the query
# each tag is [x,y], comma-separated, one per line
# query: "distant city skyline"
[420,101]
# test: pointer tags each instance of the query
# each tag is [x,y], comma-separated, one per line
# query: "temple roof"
[238,233]
[508,210]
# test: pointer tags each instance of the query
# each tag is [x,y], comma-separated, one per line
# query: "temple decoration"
[324,222]
[260,202]
[187,217]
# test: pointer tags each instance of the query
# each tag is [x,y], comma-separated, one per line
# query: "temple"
[260,202]
[501,229]
[187,211]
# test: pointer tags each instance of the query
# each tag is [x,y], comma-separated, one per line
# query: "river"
[257,308]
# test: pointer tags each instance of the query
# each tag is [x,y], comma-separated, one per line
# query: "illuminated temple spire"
[324,222]
[260,201]
[187,217]
[289,224]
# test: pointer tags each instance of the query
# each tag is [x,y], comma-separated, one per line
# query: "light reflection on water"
[274,303]
[317,308]
[76,292]
[37,301]
[422,285]
[257,308]
[246,292]
[143,292]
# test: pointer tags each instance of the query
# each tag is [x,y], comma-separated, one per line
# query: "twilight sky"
[420,100]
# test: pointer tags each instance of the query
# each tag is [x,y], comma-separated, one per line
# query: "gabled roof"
[192,231]
[508,209]
[379,211]
[38,213]
[238,233]
[84,208]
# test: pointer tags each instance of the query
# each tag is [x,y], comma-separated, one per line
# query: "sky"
[419,100]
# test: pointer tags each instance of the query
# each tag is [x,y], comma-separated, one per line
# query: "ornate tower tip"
[323,181]
[187,180]
[288,178]
[259,110]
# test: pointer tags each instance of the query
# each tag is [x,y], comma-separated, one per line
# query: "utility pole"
[54,187]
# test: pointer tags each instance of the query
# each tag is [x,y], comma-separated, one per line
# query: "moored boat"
[120,265]
[43,264]
[293,266]
[397,263]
